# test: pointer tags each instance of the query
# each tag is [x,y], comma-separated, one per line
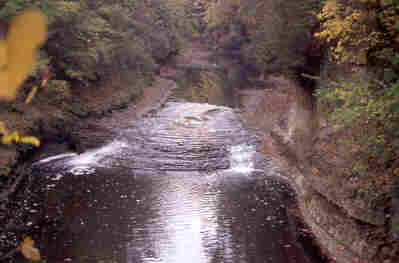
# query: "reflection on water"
[161,194]
[183,223]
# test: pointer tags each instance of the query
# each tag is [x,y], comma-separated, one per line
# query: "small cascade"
[241,158]
[95,157]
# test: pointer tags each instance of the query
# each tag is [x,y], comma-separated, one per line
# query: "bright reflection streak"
[186,226]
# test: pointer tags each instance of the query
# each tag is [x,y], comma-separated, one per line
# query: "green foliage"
[282,39]
[364,111]
[279,30]
[56,92]
[10,8]
[368,113]
[184,17]
[92,41]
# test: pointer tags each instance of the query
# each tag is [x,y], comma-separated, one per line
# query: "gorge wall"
[350,212]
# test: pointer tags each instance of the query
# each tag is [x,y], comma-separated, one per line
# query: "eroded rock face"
[351,226]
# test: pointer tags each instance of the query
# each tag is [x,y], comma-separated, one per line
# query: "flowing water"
[185,185]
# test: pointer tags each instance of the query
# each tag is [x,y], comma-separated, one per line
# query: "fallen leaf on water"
[30,140]
[28,249]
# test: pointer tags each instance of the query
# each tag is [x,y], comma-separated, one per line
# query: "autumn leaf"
[10,138]
[29,250]
[18,53]
[14,137]
[30,140]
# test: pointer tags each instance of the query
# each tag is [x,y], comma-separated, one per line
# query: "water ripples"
[186,184]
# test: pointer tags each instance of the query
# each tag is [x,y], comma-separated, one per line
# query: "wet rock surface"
[188,183]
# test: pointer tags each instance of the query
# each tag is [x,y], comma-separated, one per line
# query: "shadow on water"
[185,185]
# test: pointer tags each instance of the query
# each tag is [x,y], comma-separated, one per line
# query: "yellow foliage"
[10,138]
[30,140]
[18,53]
[17,58]
[14,137]
[29,250]
[348,31]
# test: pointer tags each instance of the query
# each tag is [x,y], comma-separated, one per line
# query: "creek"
[185,184]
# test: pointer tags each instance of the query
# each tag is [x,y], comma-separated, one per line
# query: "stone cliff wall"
[350,226]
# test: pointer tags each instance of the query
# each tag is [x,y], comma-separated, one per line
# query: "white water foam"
[56,157]
[95,157]
[241,160]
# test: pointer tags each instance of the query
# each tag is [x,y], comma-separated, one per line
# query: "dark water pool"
[187,185]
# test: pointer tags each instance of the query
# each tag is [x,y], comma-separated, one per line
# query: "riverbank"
[99,58]
[76,134]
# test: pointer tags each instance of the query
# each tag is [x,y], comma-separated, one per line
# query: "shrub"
[355,29]
[186,19]
[368,114]
[10,8]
